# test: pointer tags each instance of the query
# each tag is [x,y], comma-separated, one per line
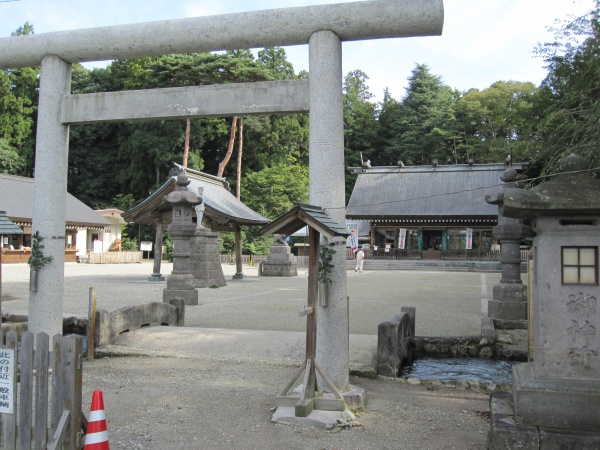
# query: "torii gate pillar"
[327,189]
[50,199]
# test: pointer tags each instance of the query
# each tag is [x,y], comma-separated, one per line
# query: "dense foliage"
[119,164]
[570,94]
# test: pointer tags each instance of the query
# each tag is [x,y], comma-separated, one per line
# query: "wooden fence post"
[66,386]
[42,357]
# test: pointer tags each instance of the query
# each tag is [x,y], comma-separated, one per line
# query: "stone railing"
[396,342]
[109,325]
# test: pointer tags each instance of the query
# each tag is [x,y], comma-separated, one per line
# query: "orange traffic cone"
[97,434]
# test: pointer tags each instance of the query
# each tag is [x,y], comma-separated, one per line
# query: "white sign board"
[7,376]
[146,246]
[352,240]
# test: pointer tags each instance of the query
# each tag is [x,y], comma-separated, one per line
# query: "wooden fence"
[112,258]
[301,261]
[46,393]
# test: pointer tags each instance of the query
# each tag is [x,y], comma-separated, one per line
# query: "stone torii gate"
[323,28]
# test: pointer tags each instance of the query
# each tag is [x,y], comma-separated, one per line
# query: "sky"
[483,41]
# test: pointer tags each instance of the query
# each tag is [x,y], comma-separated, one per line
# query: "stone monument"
[280,262]
[205,259]
[180,284]
[555,401]
[508,308]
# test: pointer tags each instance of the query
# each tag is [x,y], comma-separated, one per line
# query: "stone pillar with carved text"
[555,398]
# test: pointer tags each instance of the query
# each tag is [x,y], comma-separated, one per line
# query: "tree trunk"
[186,146]
[223,163]
[238,186]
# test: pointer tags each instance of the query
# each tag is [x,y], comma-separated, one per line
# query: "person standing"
[360,260]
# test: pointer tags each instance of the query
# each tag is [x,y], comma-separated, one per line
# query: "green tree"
[499,121]
[10,161]
[570,94]
[272,191]
[18,107]
[94,162]
[422,126]
[274,61]
[361,127]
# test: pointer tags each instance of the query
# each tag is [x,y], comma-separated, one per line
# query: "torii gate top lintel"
[363,20]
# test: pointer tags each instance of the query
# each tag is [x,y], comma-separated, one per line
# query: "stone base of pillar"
[510,292]
[510,428]
[156,278]
[190,297]
[570,404]
[506,310]
[205,260]
[239,276]
[354,399]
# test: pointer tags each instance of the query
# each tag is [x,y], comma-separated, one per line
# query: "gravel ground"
[196,400]
[182,402]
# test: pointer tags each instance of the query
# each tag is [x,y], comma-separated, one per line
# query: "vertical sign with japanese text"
[7,376]
[469,238]
[352,240]
[402,239]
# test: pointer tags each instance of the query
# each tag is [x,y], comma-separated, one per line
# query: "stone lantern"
[555,399]
[508,308]
[180,284]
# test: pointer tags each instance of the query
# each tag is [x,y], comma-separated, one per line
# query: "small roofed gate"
[40,392]
[319,223]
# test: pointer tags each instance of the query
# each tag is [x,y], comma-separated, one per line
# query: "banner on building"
[402,239]
[469,238]
[352,240]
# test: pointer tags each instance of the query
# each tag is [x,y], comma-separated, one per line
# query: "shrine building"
[428,212]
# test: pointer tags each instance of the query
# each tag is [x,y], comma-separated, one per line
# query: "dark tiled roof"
[301,215]
[7,226]
[16,198]
[221,205]
[425,191]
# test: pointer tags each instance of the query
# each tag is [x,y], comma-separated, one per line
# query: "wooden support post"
[239,273]
[91,328]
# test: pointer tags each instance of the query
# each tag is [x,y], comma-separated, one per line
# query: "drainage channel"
[452,369]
